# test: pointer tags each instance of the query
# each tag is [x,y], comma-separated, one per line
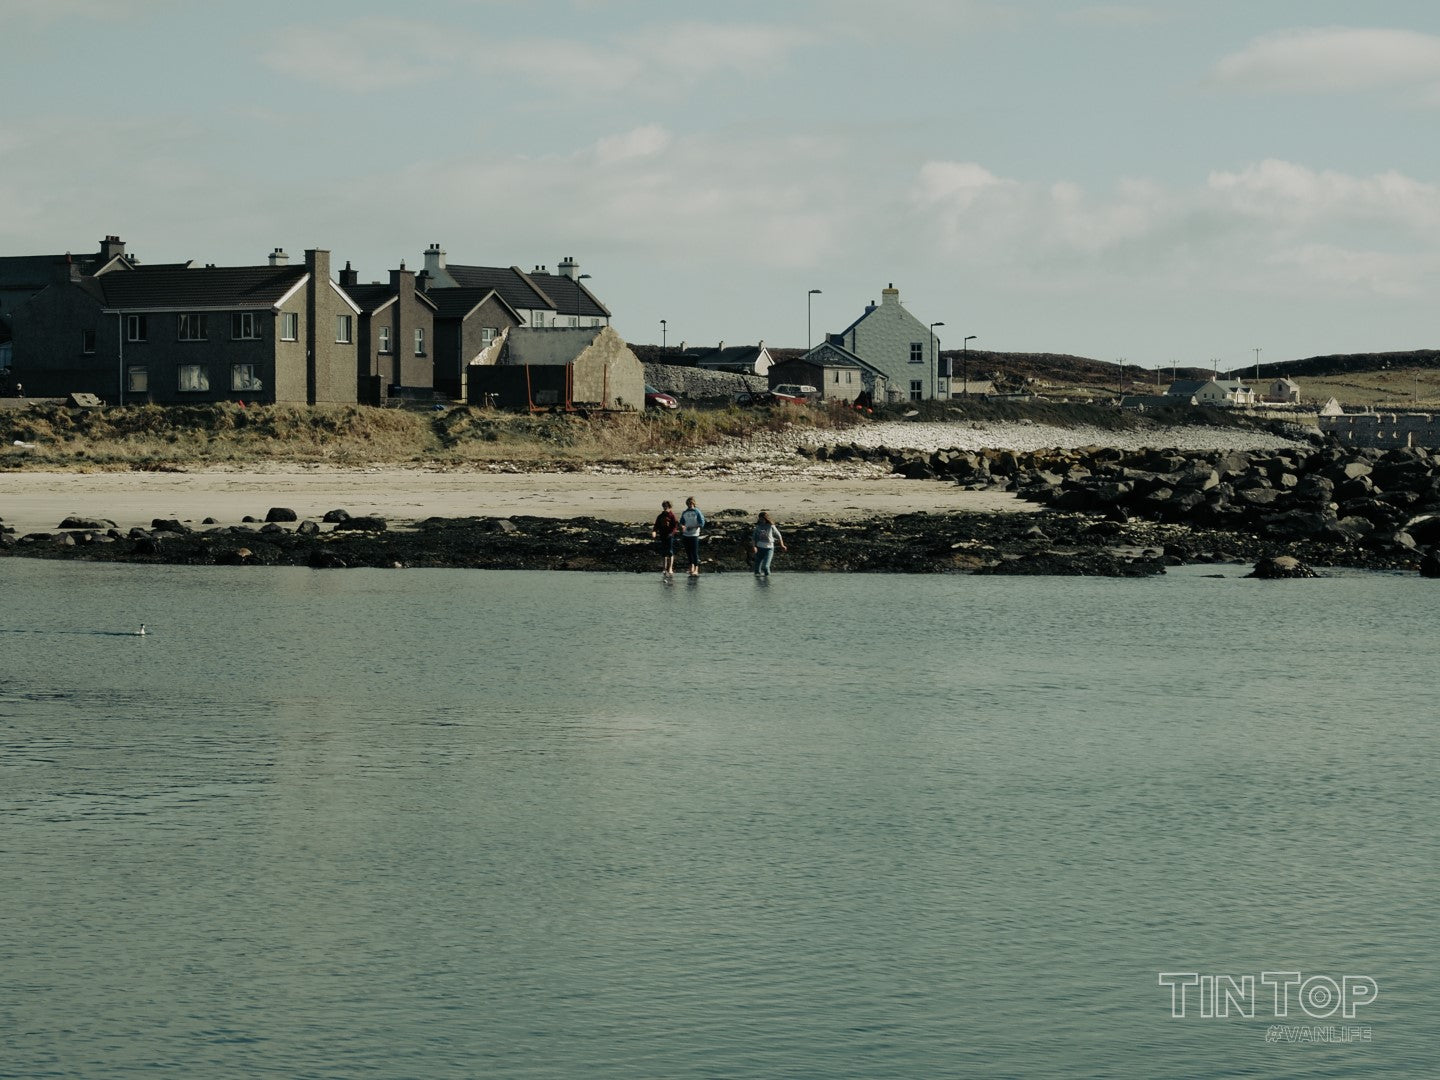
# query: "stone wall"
[1384,430]
[691,384]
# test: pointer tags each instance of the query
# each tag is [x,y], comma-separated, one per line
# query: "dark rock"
[1281,567]
[1430,564]
[73,522]
[361,524]
[170,525]
[281,513]
[333,517]
[307,528]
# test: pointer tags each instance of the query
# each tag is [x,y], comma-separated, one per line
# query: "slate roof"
[732,357]
[459,303]
[1186,387]
[371,298]
[508,281]
[38,271]
[212,287]
[831,354]
[569,295]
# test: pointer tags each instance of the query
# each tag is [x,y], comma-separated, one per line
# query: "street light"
[662,333]
[808,300]
[579,279]
[934,363]
[965,360]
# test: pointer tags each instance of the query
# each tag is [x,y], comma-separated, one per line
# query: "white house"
[894,343]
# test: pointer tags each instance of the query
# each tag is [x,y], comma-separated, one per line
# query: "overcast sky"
[1158,182]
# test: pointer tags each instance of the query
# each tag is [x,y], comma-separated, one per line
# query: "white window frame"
[344,330]
[384,346]
[488,334]
[917,389]
[243,377]
[244,326]
[537,318]
[289,326]
[192,327]
[137,379]
[917,352]
[197,375]
[419,341]
[137,328]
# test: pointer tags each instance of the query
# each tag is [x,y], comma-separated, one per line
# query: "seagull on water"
[142,631]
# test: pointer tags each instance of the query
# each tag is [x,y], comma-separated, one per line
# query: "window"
[87,342]
[289,326]
[192,328]
[419,341]
[849,376]
[342,329]
[137,328]
[917,352]
[384,339]
[244,326]
[917,389]
[194,377]
[137,380]
[488,334]
[537,318]
[243,377]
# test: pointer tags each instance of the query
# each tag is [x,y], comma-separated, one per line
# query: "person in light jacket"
[691,522]
[763,542]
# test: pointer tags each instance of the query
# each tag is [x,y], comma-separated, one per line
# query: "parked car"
[658,399]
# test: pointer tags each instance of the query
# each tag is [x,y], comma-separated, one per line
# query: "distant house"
[396,339]
[540,297]
[835,371]
[274,333]
[903,349]
[22,276]
[740,359]
[1211,392]
[1283,391]
[559,368]
[468,324]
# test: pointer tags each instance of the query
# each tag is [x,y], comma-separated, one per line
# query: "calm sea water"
[462,824]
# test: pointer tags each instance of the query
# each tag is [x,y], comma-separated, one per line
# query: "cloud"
[1114,15]
[1273,226]
[1333,59]
[366,55]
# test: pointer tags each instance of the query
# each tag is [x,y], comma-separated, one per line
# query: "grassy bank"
[182,437]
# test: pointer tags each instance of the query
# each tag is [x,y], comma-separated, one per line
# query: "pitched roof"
[224,287]
[569,295]
[512,285]
[371,298]
[460,303]
[37,271]
[832,354]
[1186,387]
[733,356]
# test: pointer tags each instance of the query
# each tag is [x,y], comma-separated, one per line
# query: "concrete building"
[560,368]
[396,339]
[903,349]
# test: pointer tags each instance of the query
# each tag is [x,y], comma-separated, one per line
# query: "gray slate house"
[396,338]
[468,323]
[835,371]
[539,297]
[890,340]
[560,368]
[275,333]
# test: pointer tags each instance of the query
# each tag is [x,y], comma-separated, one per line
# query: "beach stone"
[281,513]
[307,528]
[74,522]
[1281,567]
[361,524]
[1430,564]
[334,517]
[169,525]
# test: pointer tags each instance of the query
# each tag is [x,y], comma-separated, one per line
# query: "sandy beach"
[763,473]
[39,501]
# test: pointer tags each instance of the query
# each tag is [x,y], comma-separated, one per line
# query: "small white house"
[1283,391]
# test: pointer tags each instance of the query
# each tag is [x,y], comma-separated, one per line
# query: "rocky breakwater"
[1325,505]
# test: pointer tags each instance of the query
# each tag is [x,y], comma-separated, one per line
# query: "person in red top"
[666,526]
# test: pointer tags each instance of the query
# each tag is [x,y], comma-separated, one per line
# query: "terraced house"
[176,334]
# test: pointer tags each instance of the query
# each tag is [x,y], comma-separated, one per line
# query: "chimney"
[110,247]
[422,281]
[569,267]
[279,258]
[317,261]
[402,281]
[721,346]
[890,294]
[349,276]
[434,260]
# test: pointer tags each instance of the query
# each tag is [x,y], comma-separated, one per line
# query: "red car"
[658,399]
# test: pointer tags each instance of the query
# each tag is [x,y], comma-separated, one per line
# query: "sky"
[1157,183]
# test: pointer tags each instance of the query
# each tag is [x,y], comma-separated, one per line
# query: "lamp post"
[662,333]
[579,279]
[934,363]
[808,301]
[965,360]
